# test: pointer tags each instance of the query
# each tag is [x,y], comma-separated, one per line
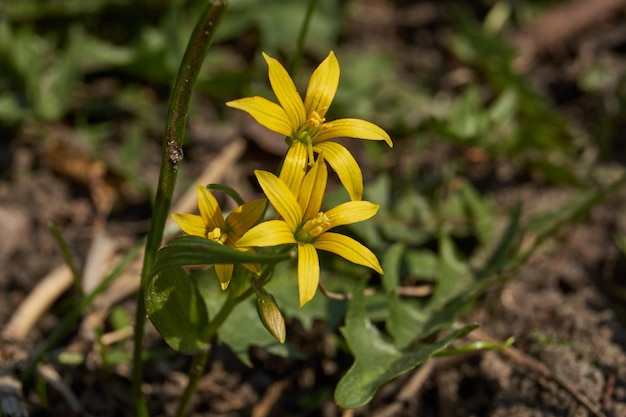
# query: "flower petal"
[308,272]
[224,273]
[312,189]
[286,93]
[281,198]
[346,167]
[322,86]
[352,128]
[351,212]
[294,166]
[192,224]
[347,248]
[209,209]
[244,217]
[267,113]
[269,233]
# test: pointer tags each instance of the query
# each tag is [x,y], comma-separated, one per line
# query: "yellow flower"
[211,225]
[305,225]
[304,123]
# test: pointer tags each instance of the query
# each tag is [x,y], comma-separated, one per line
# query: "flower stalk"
[172,155]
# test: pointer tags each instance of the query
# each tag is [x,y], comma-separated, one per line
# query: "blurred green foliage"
[104,68]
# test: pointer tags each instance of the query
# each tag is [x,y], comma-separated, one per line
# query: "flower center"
[313,228]
[217,235]
[315,120]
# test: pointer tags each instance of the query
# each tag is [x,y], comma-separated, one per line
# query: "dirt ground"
[566,307]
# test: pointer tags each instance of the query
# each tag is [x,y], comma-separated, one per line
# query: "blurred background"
[489,103]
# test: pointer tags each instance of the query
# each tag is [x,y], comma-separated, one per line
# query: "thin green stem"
[172,155]
[67,255]
[199,360]
[301,38]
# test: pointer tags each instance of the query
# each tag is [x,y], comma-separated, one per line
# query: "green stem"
[301,37]
[172,155]
[199,360]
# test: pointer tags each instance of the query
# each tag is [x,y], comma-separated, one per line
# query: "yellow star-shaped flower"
[211,225]
[305,225]
[304,123]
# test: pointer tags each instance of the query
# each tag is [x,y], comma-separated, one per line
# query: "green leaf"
[242,329]
[377,360]
[475,346]
[391,265]
[176,309]
[196,250]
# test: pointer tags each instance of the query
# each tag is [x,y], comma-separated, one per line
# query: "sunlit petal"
[352,128]
[308,272]
[209,209]
[224,273]
[322,86]
[285,91]
[245,216]
[346,167]
[351,212]
[312,189]
[267,113]
[269,233]
[294,166]
[191,224]
[281,198]
[347,248]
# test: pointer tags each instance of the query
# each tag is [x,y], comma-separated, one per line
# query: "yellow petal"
[286,93]
[312,189]
[347,248]
[281,198]
[322,86]
[256,268]
[346,167]
[351,212]
[224,273]
[294,166]
[209,209]
[245,216]
[308,272]
[267,113]
[191,224]
[352,128]
[269,233]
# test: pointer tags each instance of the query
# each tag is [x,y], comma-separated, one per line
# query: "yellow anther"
[217,235]
[317,225]
[315,120]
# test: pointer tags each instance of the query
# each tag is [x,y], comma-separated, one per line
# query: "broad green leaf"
[176,309]
[242,329]
[453,275]
[391,264]
[422,264]
[502,252]
[194,250]
[377,360]
[480,212]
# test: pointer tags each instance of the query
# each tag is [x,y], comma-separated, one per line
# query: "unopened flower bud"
[270,315]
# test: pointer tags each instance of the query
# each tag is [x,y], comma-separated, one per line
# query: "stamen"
[317,225]
[217,235]
[315,120]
